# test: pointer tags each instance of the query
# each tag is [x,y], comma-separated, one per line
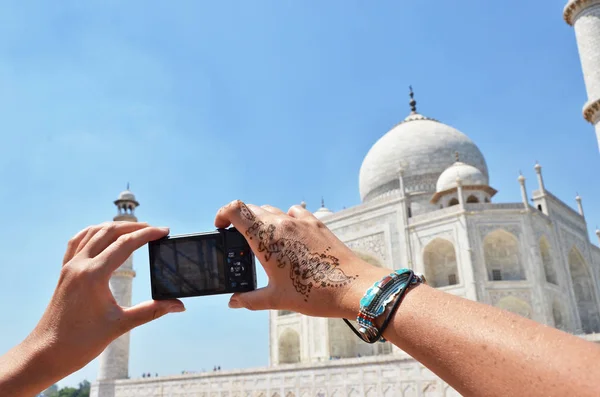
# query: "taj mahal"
[428,204]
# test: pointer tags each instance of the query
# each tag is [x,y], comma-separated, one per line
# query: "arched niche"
[559,316]
[515,305]
[502,256]
[585,295]
[472,199]
[439,258]
[453,201]
[547,261]
[289,347]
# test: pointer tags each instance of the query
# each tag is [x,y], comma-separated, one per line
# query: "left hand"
[83,317]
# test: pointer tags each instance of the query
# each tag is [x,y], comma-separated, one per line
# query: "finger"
[151,310]
[273,210]
[259,299]
[108,234]
[299,212]
[89,235]
[238,214]
[122,248]
[73,244]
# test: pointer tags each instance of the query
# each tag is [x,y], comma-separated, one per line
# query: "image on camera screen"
[188,267]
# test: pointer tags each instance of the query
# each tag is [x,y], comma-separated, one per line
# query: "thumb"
[259,299]
[151,310]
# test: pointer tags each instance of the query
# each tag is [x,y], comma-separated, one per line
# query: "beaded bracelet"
[377,298]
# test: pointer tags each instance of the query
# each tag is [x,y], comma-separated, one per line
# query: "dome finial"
[322,202]
[412,103]
[127,185]
[456,156]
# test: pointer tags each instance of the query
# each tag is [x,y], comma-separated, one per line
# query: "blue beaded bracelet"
[376,299]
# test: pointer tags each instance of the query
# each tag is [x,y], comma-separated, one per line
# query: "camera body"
[211,263]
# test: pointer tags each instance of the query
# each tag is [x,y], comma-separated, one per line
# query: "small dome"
[322,212]
[469,176]
[126,195]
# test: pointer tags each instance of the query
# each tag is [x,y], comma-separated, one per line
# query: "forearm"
[483,351]
[25,370]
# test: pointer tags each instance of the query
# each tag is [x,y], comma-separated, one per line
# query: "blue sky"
[199,103]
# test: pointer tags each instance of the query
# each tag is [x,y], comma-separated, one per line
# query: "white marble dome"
[423,148]
[322,212]
[469,176]
[126,195]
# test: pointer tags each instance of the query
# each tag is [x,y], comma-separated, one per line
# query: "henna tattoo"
[307,269]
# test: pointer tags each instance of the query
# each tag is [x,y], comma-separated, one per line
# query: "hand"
[310,270]
[83,316]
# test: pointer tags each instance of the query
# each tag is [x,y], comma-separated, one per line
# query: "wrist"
[350,303]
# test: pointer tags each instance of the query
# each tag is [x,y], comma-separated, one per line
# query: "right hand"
[310,270]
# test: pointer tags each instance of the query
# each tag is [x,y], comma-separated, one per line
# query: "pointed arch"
[547,261]
[472,199]
[585,295]
[453,201]
[409,390]
[439,258]
[558,315]
[502,256]
[289,347]
[431,390]
[515,305]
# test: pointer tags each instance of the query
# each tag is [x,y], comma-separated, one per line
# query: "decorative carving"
[512,228]
[591,110]
[373,245]
[574,8]
[347,231]
[569,222]
[496,295]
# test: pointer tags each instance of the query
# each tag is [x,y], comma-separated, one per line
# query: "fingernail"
[234,304]
[176,309]
[164,229]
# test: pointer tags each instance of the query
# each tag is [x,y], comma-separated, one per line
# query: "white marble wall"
[389,376]
[114,360]
[586,21]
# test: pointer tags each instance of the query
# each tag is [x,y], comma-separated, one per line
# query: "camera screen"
[188,266]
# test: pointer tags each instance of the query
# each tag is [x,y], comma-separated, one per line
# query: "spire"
[456,156]
[127,185]
[412,103]
[579,205]
[322,202]
[524,197]
[538,171]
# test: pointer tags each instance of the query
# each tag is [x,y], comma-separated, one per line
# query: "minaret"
[114,361]
[584,16]
[579,205]
[521,180]
[540,178]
